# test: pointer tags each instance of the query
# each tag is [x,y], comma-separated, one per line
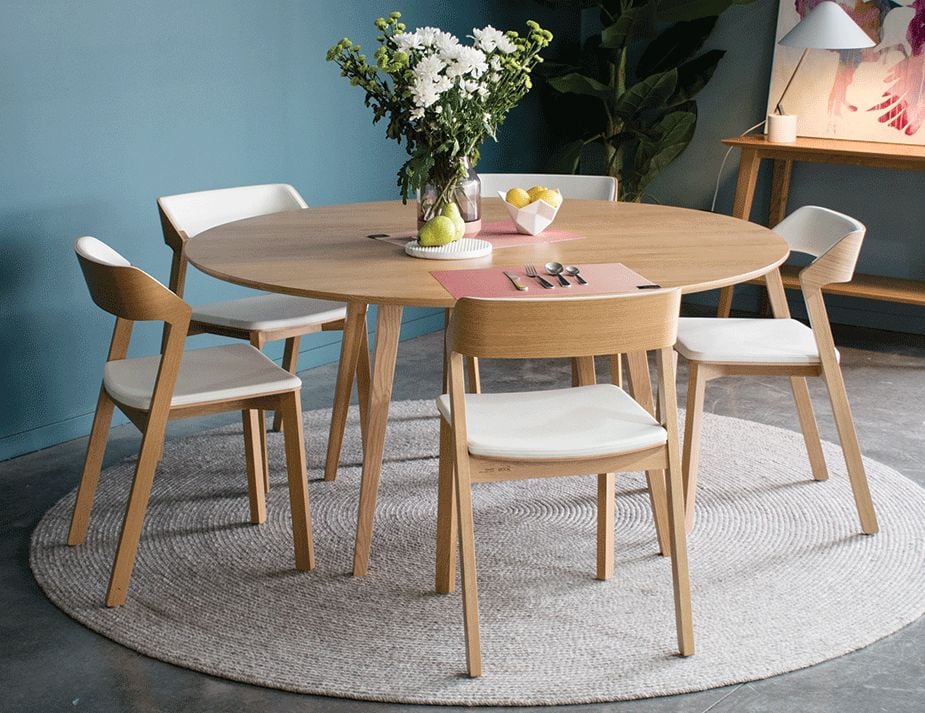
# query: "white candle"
[782,128]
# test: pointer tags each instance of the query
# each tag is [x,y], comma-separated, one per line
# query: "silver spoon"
[572,270]
[555,269]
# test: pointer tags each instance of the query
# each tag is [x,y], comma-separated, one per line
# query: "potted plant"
[634,85]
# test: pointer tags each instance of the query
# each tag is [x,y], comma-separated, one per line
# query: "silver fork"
[531,272]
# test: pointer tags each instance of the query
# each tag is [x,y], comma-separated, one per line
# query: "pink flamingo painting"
[898,27]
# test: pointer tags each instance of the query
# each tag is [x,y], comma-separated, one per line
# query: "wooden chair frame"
[835,265]
[132,295]
[356,355]
[511,329]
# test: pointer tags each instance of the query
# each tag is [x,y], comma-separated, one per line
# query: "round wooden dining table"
[328,253]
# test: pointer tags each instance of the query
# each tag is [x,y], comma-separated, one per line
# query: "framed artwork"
[875,94]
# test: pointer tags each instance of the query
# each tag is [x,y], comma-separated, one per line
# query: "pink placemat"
[603,279]
[501,234]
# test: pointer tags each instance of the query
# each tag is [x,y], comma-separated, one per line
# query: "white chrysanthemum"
[428,69]
[469,86]
[495,63]
[406,41]
[416,113]
[494,77]
[429,35]
[445,43]
[483,91]
[487,38]
[424,94]
[506,45]
[467,61]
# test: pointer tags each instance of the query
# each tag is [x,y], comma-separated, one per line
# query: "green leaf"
[674,45]
[575,83]
[566,158]
[677,10]
[651,93]
[634,22]
[694,75]
[672,134]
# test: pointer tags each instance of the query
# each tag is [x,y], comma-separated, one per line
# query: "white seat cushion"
[581,422]
[214,374]
[746,341]
[270,312]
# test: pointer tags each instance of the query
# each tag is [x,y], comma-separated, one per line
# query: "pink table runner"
[603,279]
[501,234]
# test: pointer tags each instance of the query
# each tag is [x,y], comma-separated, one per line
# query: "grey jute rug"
[781,577]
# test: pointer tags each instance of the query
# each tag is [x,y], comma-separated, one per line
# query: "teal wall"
[107,104]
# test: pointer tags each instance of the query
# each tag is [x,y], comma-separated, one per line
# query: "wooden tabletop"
[325,252]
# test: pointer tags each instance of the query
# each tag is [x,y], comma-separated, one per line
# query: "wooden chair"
[511,436]
[600,188]
[265,317]
[177,384]
[784,347]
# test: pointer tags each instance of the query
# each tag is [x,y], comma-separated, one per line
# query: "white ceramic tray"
[462,249]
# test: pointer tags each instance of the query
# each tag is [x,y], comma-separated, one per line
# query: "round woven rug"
[781,578]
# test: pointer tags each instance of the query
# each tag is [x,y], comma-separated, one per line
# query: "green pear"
[451,211]
[437,231]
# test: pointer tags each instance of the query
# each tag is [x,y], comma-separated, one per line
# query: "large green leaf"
[670,136]
[674,45]
[677,10]
[634,22]
[694,75]
[566,158]
[575,83]
[651,93]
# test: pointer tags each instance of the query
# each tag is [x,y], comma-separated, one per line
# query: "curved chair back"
[185,215]
[602,188]
[527,328]
[833,238]
[123,290]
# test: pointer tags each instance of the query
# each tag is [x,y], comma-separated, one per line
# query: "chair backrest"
[185,215]
[123,290]
[602,188]
[533,328]
[833,238]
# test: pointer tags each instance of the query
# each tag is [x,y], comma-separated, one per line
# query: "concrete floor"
[50,663]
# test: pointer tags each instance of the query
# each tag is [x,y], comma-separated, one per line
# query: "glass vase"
[467,194]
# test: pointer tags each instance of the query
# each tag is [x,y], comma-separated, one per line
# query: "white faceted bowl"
[533,218]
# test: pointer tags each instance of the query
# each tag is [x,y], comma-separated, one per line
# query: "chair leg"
[290,364]
[350,353]
[690,459]
[808,426]
[848,437]
[135,512]
[470,594]
[605,525]
[290,405]
[257,341]
[447,525]
[255,476]
[473,378]
[96,448]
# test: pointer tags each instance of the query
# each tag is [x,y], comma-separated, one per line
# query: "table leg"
[640,383]
[388,327]
[749,164]
[354,328]
[780,190]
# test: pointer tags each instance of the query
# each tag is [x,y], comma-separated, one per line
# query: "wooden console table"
[854,153]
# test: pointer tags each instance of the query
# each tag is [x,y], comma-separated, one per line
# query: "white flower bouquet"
[440,96]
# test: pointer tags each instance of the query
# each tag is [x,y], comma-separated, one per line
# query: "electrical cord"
[719,174]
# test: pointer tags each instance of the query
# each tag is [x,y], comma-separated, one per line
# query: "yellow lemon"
[437,231]
[518,197]
[535,191]
[551,196]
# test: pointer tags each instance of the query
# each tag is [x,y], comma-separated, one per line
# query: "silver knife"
[515,279]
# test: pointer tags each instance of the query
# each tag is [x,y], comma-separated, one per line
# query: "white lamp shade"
[827,27]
